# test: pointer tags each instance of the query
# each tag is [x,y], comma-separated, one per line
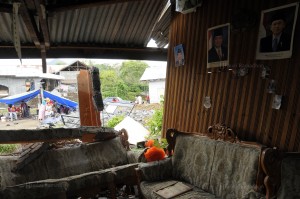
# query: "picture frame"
[276,32]
[218,42]
[179,55]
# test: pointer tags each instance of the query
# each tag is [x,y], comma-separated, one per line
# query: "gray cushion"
[234,170]
[157,170]
[192,160]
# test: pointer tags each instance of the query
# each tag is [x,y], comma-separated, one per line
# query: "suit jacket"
[283,44]
[214,57]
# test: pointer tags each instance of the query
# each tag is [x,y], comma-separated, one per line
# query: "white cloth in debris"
[136,131]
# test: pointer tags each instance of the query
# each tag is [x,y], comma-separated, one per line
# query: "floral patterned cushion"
[234,170]
[193,160]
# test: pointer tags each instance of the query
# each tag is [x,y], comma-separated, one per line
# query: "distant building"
[19,79]
[70,72]
[156,77]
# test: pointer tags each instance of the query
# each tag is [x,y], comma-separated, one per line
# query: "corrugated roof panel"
[139,23]
[5,21]
[150,23]
[128,23]
[121,24]
[6,29]
[160,32]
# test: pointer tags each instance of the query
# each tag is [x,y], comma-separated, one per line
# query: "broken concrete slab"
[28,155]
[88,134]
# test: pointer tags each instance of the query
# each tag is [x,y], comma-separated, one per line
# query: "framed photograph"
[276,32]
[218,46]
[277,100]
[179,55]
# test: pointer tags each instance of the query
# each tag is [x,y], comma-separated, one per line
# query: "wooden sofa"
[216,165]
[81,171]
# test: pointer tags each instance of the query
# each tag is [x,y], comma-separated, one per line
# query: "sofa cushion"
[192,160]
[157,170]
[148,189]
[234,170]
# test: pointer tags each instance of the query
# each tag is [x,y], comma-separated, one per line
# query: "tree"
[109,80]
[121,81]
[132,71]
[103,67]
[60,62]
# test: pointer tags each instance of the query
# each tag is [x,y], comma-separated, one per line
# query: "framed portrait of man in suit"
[218,46]
[276,32]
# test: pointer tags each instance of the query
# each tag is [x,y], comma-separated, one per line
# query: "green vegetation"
[154,124]
[122,80]
[115,121]
[161,143]
[8,148]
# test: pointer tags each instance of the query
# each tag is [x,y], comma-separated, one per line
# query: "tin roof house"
[156,77]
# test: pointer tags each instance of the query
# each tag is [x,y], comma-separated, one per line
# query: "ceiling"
[115,29]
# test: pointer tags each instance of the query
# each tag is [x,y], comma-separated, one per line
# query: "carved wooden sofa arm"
[283,174]
[271,164]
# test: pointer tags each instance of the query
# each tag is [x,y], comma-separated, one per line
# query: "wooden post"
[89,115]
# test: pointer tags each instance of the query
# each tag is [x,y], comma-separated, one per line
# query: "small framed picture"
[271,86]
[265,72]
[277,100]
[276,32]
[179,55]
[218,46]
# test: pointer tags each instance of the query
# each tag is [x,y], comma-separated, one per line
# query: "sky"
[16,62]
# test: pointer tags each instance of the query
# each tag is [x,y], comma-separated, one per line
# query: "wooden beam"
[30,24]
[41,10]
[43,55]
[88,52]
[83,4]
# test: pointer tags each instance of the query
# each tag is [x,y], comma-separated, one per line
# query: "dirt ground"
[31,123]
[19,124]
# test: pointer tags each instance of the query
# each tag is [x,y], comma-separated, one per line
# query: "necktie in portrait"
[274,44]
[219,53]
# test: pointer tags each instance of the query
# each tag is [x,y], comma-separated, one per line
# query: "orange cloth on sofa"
[154,154]
[149,143]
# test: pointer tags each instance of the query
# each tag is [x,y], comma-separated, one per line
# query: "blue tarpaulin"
[17,99]
[60,100]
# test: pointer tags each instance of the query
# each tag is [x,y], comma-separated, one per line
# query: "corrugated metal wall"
[241,103]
